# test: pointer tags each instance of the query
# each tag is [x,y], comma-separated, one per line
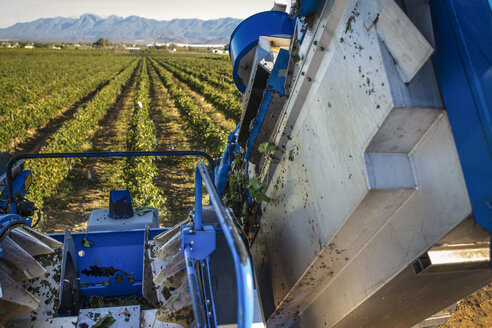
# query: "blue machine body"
[222,170]
[21,185]
[463,62]
[245,36]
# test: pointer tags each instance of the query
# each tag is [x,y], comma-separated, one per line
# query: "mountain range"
[89,28]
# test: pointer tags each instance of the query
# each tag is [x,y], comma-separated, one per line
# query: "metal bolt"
[309,79]
[209,313]
[303,73]
[322,48]
[208,302]
[315,42]
[191,249]
[203,264]
[192,242]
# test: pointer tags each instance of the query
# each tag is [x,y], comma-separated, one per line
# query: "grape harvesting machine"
[358,186]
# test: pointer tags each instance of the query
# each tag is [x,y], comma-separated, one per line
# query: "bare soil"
[473,311]
[88,185]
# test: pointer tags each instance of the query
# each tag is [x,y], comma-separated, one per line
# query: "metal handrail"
[242,262]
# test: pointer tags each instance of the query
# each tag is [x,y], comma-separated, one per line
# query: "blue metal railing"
[194,288]
[163,153]
[242,262]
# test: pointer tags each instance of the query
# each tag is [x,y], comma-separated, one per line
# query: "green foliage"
[101,42]
[267,147]
[105,322]
[256,189]
[227,103]
[235,195]
[86,242]
[41,45]
[200,125]
[44,86]
[291,155]
[237,186]
[140,171]
[70,137]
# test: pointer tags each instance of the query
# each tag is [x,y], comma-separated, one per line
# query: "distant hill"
[88,28]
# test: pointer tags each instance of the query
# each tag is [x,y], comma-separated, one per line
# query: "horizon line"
[107,16]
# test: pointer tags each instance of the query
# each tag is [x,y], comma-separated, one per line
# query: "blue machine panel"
[307,7]
[112,264]
[463,62]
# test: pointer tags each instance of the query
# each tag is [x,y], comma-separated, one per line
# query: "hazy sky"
[14,11]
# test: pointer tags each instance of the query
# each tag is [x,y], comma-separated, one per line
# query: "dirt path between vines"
[34,142]
[175,175]
[88,184]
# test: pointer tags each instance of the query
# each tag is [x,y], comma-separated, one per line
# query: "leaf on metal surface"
[86,242]
[267,147]
[105,322]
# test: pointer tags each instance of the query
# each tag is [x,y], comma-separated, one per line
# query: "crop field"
[72,101]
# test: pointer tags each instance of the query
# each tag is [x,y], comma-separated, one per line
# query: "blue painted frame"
[463,62]
[275,84]
[240,254]
[106,252]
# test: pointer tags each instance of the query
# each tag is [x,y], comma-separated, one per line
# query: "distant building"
[29,47]
[220,52]
[132,48]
